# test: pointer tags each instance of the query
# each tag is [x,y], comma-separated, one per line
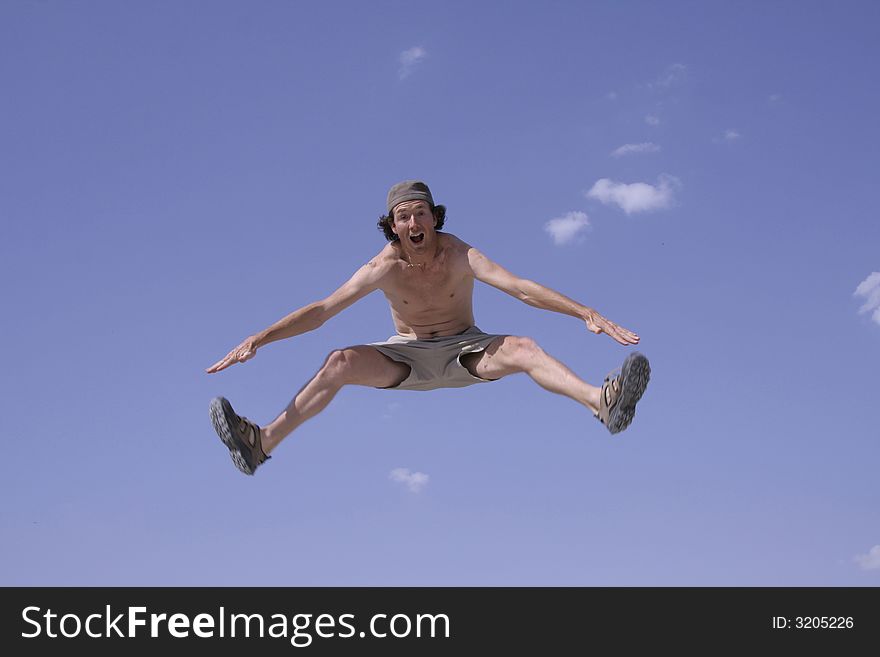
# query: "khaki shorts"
[436,362]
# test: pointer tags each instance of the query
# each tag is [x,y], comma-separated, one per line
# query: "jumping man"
[428,278]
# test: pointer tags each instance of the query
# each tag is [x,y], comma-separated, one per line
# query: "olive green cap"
[408,190]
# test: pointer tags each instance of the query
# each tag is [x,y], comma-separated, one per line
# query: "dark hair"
[385,221]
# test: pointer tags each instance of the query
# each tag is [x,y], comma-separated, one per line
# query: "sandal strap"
[257,446]
[608,396]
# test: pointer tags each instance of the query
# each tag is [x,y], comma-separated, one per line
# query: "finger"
[214,367]
[614,336]
[627,334]
[613,329]
[624,337]
[223,364]
[618,338]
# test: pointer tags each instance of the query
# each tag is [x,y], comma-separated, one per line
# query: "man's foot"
[619,395]
[239,434]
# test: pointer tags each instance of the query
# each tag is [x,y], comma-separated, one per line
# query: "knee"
[521,351]
[337,366]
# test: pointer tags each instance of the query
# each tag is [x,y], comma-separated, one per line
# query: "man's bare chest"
[414,286]
[437,285]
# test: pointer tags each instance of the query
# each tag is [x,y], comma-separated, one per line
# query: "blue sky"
[175,176]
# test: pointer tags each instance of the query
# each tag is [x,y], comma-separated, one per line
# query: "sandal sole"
[222,418]
[634,375]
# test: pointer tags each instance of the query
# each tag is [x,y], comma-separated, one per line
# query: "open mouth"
[417,239]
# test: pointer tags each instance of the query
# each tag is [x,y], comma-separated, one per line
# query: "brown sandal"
[240,435]
[621,393]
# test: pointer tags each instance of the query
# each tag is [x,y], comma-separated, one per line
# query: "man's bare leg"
[512,354]
[362,365]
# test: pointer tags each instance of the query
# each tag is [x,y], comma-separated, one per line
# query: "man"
[428,278]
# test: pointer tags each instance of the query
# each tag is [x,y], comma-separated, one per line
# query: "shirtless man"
[428,278]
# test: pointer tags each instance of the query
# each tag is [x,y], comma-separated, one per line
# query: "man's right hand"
[245,351]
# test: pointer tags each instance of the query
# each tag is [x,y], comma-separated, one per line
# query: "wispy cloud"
[391,410]
[650,119]
[672,76]
[727,137]
[774,98]
[565,228]
[870,290]
[409,59]
[611,95]
[870,561]
[414,481]
[644,147]
[636,197]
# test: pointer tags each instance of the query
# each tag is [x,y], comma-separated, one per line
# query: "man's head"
[410,200]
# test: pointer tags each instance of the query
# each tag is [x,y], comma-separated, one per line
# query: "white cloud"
[730,135]
[564,229]
[391,410]
[870,289]
[672,76]
[870,561]
[411,58]
[650,119]
[611,95]
[414,481]
[775,98]
[636,197]
[644,147]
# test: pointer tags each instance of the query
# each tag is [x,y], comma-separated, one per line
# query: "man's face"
[413,223]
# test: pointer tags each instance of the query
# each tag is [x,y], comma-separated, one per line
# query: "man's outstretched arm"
[308,318]
[543,297]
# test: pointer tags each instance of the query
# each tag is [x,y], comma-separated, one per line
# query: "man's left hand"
[598,324]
